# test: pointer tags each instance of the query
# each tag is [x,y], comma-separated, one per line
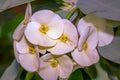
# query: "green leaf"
[104,8]
[51,6]
[76,75]
[6,4]
[111,51]
[10,26]
[109,67]
[91,71]
[102,74]
[29,76]
[37,77]
[11,72]
[118,32]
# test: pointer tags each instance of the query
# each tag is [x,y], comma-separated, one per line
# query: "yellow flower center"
[63,38]
[25,21]
[31,50]
[97,28]
[43,29]
[54,63]
[85,46]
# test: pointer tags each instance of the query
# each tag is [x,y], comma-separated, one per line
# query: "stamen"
[85,46]
[25,21]
[97,27]
[63,38]
[31,50]
[54,63]
[43,29]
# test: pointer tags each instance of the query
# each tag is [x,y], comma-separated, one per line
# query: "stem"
[72,12]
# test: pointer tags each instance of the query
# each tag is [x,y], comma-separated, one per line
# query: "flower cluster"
[43,41]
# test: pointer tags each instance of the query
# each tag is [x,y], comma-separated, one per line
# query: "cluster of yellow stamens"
[54,63]
[31,50]
[25,21]
[85,46]
[63,38]
[43,29]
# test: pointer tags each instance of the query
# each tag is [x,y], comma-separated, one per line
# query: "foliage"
[109,54]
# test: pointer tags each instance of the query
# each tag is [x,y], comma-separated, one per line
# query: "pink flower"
[53,66]
[67,41]
[105,32]
[44,28]
[86,54]
[26,55]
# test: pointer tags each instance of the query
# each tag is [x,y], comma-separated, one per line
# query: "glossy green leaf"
[111,51]
[11,72]
[29,76]
[104,8]
[6,4]
[91,71]
[10,26]
[76,75]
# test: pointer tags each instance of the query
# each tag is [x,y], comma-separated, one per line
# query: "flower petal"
[43,16]
[21,27]
[55,27]
[65,66]
[42,51]
[47,72]
[19,31]
[28,12]
[33,35]
[62,48]
[72,39]
[99,22]
[106,37]
[30,62]
[70,31]
[93,55]
[16,52]
[83,29]
[81,58]
[92,40]
[22,46]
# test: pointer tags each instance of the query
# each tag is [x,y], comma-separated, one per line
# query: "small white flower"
[53,67]
[105,32]
[86,54]
[44,28]
[67,41]
[26,55]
